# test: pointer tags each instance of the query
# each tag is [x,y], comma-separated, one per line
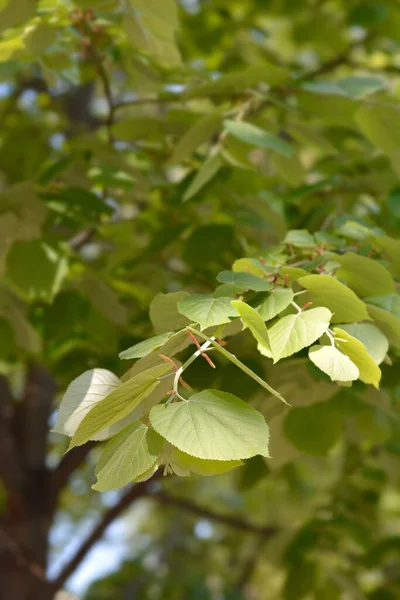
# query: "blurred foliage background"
[118,181]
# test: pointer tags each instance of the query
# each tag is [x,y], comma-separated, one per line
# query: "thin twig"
[232,521]
[134,493]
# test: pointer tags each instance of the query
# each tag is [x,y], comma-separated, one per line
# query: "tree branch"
[137,491]
[266,531]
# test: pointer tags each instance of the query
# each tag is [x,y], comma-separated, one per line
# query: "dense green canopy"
[200,266]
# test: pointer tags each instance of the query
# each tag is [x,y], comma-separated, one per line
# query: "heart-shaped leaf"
[294,332]
[206,310]
[357,352]
[212,425]
[341,300]
[334,363]
[127,456]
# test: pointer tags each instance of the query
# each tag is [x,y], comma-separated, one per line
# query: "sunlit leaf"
[212,425]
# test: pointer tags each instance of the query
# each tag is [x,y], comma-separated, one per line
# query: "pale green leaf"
[207,171]
[248,265]
[212,425]
[144,348]
[10,47]
[251,134]
[357,352]
[277,301]
[341,300]
[255,323]
[290,169]
[293,273]
[371,337]
[387,323]
[294,332]
[118,404]
[201,466]
[359,87]
[244,281]
[300,238]
[164,314]
[334,363]
[81,396]
[350,87]
[127,456]
[206,310]
[389,302]
[364,275]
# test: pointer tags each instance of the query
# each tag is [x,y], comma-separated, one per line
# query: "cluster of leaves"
[213,431]
[147,146]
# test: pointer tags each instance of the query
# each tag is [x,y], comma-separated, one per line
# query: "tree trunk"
[30,500]
[24,543]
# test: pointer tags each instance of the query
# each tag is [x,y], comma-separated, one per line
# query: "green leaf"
[371,337]
[201,132]
[289,169]
[255,323]
[350,87]
[381,125]
[293,273]
[334,363]
[16,12]
[156,25]
[164,314]
[389,302]
[212,425]
[300,581]
[10,47]
[277,301]
[387,323]
[313,429]
[342,301]
[249,265]
[127,456]
[300,238]
[393,202]
[357,352]
[36,269]
[118,404]
[359,87]
[366,276]
[14,311]
[294,332]
[229,83]
[207,171]
[81,396]
[206,310]
[144,348]
[201,466]
[391,248]
[251,134]
[244,281]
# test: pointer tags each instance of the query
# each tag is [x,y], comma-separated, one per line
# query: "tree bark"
[29,504]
